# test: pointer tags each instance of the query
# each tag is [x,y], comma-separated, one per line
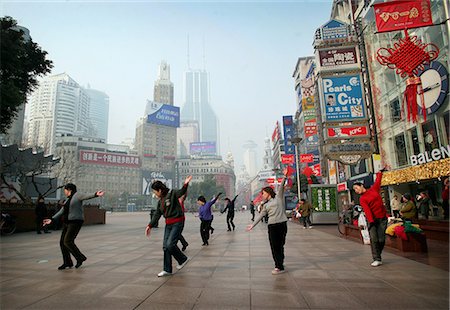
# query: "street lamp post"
[296,141]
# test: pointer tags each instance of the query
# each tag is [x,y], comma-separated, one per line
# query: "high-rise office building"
[58,107]
[98,113]
[197,106]
[163,89]
[250,157]
[186,134]
[156,138]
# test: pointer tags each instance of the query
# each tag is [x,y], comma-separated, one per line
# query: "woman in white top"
[273,205]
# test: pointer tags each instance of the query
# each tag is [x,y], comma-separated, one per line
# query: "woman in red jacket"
[376,215]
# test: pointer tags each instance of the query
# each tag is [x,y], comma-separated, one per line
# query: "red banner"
[398,15]
[287,159]
[306,158]
[343,132]
[110,159]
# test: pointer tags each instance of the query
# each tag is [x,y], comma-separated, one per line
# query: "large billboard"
[163,114]
[196,148]
[148,177]
[109,159]
[344,58]
[342,98]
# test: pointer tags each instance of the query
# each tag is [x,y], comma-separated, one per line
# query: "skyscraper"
[163,89]
[155,139]
[59,106]
[98,113]
[197,106]
[250,157]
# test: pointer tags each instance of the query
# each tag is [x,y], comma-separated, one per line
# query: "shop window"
[447,125]
[400,150]
[415,140]
[396,114]
[429,135]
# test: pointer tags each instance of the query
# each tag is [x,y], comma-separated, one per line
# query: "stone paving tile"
[233,272]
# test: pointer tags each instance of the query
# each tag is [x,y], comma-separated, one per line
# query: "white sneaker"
[310,227]
[376,263]
[164,274]
[304,227]
[183,264]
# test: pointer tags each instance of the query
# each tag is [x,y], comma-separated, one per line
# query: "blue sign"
[334,29]
[288,132]
[202,148]
[164,114]
[343,98]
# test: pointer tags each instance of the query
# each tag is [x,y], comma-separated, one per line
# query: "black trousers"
[230,218]
[205,227]
[377,232]
[277,237]
[67,242]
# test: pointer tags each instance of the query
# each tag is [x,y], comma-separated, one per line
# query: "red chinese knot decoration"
[409,56]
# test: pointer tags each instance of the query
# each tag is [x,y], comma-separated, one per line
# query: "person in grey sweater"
[73,217]
[273,205]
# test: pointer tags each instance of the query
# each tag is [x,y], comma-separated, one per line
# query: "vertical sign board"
[323,198]
[288,131]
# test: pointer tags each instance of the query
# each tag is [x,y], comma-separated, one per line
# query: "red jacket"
[372,203]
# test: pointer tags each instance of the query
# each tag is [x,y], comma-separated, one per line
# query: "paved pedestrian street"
[233,272]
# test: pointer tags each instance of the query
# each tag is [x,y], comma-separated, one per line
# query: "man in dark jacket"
[41,214]
[230,214]
[169,207]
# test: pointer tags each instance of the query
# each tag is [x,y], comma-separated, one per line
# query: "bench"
[415,242]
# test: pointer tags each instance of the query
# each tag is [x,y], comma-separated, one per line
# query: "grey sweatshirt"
[274,207]
[76,211]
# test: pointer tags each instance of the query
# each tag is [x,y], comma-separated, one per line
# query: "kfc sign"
[347,132]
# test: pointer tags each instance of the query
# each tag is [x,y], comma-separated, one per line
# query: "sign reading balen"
[435,154]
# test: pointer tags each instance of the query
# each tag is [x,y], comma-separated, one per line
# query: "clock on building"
[435,84]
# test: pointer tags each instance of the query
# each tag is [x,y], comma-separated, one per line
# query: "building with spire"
[156,137]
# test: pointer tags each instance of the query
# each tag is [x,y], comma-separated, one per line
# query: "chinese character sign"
[110,159]
[288,128]
[343,98]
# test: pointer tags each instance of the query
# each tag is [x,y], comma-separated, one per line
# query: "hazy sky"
[251,49]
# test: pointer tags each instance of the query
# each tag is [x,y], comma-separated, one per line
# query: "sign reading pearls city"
[343,98]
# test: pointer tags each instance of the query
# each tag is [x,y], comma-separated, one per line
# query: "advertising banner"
[310,128]
[347,132]
[317,170]
[343,98]
[337,57]
[148,177]
[312,140]
[398,15]
[202,148]
[164,114]
[287,159]
[306,158]
[334,30]
[109,159]
[288,130]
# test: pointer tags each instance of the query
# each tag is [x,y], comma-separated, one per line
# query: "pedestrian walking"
[273,205]
[72,214]
[305,209]
[252,210]
[230,213]
[206,217]
[376,215]
[41,214]
[169,207]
